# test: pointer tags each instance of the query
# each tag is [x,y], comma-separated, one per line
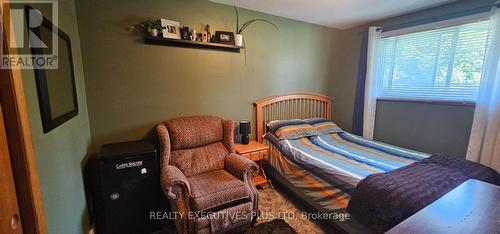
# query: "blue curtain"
[357,119]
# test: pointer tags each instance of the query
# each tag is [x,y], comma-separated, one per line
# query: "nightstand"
[256,152]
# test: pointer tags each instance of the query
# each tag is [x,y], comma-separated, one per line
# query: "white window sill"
[442,102]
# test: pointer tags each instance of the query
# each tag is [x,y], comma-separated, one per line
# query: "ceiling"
[340,14]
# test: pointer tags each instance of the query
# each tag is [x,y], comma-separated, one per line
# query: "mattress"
[327,168]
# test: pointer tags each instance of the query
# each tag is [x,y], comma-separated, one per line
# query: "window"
[439,64]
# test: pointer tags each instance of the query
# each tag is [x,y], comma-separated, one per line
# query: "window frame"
[428,27]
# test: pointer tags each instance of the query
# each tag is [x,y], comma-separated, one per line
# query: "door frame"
[19,138]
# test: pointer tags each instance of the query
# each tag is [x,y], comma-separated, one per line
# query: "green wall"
[132,86]
[427,127]
[59,153]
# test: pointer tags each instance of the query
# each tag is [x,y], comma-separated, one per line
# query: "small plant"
[248,23]
[153,23]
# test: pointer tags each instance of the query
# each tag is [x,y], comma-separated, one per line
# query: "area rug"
[276,204]
[277,226]
[279,214]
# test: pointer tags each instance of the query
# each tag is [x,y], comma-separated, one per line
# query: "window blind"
[439,64]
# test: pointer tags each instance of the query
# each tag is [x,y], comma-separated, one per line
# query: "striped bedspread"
[328,167]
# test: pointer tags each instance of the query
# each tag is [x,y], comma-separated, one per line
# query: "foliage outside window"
[438,64]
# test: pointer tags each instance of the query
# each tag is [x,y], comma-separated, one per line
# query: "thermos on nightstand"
[244,131]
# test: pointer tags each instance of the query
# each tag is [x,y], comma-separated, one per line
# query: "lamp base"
[245,139]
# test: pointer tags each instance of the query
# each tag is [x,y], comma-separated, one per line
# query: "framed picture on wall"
[56,88]
[171,29]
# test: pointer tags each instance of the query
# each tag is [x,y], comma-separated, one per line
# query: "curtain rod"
[437,24]
[433,19]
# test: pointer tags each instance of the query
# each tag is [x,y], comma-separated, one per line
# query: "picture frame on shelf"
[185,34]
[224,37]
[171,29]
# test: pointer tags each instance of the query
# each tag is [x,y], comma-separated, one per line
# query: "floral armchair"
[209,186]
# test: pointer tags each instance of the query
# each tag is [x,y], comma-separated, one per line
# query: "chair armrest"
[173,182]
[228,140]
[164,140]
[240,166]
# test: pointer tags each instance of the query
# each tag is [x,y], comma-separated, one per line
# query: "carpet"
[277,204]
[276,226]
[279,214]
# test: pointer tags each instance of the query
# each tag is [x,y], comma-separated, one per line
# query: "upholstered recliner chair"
[209,186]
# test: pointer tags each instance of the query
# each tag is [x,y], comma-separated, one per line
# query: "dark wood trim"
[23,159]
[430,101]
[9,213]
[191,44]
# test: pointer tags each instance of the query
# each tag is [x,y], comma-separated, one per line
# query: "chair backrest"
[198,143]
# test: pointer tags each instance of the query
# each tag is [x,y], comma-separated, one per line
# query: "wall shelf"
[191,44]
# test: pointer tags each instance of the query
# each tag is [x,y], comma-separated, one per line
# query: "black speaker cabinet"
[125,189]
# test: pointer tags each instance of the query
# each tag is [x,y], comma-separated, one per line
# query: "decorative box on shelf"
[191,44]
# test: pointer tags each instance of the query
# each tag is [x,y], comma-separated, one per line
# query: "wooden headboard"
[291,106]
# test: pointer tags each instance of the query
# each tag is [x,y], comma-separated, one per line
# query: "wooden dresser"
[472,207]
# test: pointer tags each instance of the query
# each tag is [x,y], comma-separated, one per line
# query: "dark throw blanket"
[381,201]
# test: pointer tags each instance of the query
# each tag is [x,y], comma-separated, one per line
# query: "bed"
[324,170]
